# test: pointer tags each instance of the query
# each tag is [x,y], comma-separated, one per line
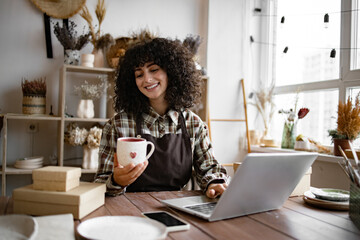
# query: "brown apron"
[171,163]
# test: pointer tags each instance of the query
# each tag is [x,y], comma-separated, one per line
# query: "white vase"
[87,60]
[72,57]
[86,109]
[99,60]
[90,157]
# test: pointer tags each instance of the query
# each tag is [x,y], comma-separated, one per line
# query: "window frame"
[348,78]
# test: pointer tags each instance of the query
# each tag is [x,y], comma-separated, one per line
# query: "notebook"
[263,182]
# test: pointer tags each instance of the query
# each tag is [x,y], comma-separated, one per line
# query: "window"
[307,68]
[308,41]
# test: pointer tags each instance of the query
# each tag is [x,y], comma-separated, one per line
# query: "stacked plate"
[328,198]
[29,163]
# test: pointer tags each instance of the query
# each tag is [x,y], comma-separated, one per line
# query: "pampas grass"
[349,118]
[264,103]
[98,41]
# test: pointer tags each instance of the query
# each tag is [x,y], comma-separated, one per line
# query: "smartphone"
[171,222]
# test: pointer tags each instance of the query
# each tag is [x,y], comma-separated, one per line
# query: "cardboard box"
[55,178]
[79,201]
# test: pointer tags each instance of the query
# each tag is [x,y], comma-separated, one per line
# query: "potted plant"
[67,36]
[348,125]
[34,96]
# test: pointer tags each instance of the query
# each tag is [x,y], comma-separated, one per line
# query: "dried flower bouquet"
[76,136]
[34,87]
[91,91]
[264,103]
[67,36]
[99,41]
[348,121]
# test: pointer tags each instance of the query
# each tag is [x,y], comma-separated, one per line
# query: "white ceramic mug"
[133,150]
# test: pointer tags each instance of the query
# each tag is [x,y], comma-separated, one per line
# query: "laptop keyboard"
[206,208]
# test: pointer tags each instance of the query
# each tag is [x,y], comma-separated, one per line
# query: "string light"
[333,53]
[326,20]
[282,20]
[251,39]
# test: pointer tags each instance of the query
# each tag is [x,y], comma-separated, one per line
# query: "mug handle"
[151,151]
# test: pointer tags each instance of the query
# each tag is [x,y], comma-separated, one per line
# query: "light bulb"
[326,20]
[332,56]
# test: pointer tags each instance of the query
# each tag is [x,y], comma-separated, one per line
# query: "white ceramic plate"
[36,159]
[28,166]
[16,226]
[122,227]
[331,194]
[30,162]
[313,200]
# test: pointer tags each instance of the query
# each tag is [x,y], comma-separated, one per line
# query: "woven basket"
[34,104]
[354,211]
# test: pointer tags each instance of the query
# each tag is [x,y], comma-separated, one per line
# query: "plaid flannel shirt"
[206,167]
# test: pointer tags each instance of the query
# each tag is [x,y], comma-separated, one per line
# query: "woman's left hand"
[215,189]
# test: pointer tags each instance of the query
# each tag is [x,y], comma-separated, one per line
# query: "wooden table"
[295,220]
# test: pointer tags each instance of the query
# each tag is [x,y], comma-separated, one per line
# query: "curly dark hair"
[184,80]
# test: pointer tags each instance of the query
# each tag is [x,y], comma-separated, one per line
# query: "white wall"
[231,57]
[222,25]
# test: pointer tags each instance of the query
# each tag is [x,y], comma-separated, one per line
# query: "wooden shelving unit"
[60,119]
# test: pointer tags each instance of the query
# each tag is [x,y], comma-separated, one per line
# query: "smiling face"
[152,81]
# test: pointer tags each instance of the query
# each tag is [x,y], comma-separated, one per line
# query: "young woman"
[156,83]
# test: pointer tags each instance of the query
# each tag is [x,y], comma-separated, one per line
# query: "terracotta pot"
[343,143]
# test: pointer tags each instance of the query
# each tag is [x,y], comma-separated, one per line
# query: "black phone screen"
[165,218]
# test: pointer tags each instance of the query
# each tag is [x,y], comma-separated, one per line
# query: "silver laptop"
[263,182]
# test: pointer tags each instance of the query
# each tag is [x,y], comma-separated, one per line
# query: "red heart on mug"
[133,154]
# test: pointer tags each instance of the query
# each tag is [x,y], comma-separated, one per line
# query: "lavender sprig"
[68,38]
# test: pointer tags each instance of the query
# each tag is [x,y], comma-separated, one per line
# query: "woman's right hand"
[125,175]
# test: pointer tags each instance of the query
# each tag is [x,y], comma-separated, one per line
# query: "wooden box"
[55,178]
[79,201]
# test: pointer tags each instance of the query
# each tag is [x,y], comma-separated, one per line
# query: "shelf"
[321,157]
[88,170]
[60,119]
[81,69]
[10,170]
[86,119]
[32,117]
